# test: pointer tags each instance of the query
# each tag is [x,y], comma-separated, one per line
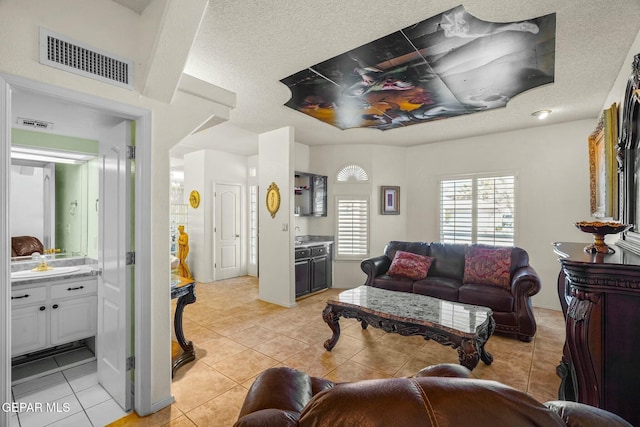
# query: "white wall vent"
[69,55]
[37,124]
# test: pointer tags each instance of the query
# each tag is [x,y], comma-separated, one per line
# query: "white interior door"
[113,342]
[227,231]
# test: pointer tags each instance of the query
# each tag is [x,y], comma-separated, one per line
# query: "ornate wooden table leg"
[188,350]
[468,354]
[332,320]
[483,337]
[471,351]
[485,356]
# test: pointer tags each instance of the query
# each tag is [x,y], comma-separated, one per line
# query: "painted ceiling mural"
[445,66]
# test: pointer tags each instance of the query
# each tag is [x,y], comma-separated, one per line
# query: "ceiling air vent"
[37,124]
[65,54]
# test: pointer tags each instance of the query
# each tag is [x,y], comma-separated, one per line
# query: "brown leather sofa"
[440,395]
[511,305]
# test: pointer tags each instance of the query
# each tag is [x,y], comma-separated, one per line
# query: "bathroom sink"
[56,271]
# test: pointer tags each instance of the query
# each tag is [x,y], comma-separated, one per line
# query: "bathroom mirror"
[54,193]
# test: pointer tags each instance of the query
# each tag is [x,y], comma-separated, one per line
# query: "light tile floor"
[71,397]
[237,336]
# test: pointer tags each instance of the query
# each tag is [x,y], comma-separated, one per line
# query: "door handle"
[237,235]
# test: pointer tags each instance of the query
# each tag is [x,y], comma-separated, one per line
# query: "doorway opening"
[12,88]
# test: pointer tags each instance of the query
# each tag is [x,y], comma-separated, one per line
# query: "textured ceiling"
[448,65]
[248,46]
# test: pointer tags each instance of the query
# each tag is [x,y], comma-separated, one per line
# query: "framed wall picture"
[603,167]
[390,200]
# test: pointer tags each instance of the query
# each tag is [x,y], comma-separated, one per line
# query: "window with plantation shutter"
[353,227]
[456,211]
[478,209]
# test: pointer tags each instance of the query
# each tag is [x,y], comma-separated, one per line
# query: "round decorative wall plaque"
[273,199]
[194,199]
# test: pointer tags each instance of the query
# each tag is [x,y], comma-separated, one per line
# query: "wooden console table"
[185,291]
[600,297]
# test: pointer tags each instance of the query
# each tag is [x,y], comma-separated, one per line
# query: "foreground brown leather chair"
[440,395]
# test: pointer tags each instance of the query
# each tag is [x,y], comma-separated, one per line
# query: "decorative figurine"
[183,251]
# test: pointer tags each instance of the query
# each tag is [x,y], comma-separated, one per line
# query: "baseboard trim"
[156,406]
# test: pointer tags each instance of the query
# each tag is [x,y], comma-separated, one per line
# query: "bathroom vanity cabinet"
[48,314]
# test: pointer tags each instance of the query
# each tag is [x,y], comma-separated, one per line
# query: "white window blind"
[456,211]
[353,227]
[478,209]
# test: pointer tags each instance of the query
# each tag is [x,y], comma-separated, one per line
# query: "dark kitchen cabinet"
[310,194]
[303,278]
[313,269]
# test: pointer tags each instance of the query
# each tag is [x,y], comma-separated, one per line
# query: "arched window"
[352,213]
[352,173]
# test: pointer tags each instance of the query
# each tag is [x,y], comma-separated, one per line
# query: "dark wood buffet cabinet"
[600,298]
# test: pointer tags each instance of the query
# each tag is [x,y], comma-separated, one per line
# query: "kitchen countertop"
[309,244]
[308,241]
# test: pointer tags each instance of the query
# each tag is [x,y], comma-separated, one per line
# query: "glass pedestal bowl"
[599,229]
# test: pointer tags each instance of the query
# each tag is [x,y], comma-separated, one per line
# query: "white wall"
[302,163]
[385,166]
[196,227]
[617,90]
[202,170]
[27,202]
[551,163]
[302,157]
[389,168]
[171,122]
[276,270]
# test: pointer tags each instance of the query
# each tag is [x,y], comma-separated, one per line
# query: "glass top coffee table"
[464,327]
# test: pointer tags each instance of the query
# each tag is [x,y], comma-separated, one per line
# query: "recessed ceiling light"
[541,114]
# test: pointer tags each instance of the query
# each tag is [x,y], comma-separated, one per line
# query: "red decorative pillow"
[410,265]
[489,266]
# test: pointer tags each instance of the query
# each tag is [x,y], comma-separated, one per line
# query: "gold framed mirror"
[603,166]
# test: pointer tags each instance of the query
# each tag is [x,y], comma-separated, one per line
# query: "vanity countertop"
[68,269]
